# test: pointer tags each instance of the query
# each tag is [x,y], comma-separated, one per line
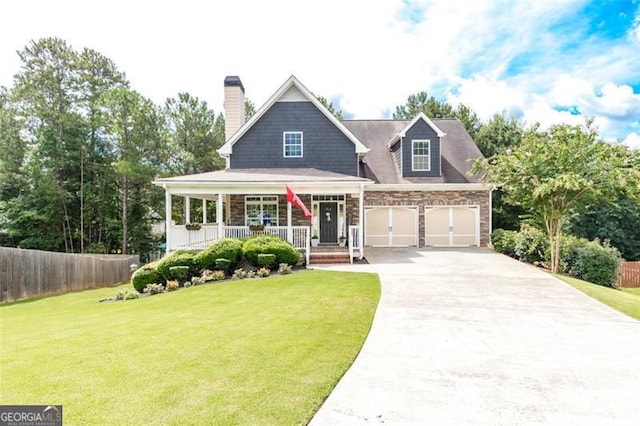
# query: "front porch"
[232,203]
[181,237]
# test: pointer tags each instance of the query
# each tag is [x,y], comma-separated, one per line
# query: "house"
[373,182]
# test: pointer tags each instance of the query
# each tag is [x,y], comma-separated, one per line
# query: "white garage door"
[391,226]
[452,226]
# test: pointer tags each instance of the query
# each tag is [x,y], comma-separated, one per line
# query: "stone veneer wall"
[375,198]
[428,198]
[236,206]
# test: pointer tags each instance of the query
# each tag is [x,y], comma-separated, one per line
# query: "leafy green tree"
[498,134]
[46,90]
[329,105]
[98,76]
[554,172]
[136,148]
[433,108]
[192,139]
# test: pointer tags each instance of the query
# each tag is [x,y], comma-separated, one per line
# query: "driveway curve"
[472,337]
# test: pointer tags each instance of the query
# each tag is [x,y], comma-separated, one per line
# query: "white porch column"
[204,210]
[361,221]
[187,209]
[219,216]
[289,227]
[167,217]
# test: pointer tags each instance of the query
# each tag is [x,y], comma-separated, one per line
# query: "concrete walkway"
[471,337]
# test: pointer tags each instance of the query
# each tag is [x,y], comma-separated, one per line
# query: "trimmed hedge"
[504,241]
[228,248]
[179,273]
[598,264]
[531,245]
[587,260]
[177,258]
[266,259]
[284,251]
[147,274]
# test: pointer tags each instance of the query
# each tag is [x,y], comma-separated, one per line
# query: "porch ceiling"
[262,181]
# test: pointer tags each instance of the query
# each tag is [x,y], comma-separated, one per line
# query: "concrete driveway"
[471,337]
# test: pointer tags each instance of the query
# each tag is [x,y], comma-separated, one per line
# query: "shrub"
[531,244]
[131,294]
[223,264]
[179,273]
[177,258]
[251,274]
[284,251]
[284,269]
[239,274]
[147,274]
[569,246]
[173,284]
[504,242]
[228,248]
[154,289]
[213,275]
[264,272]
[266,259]
[598,264]
[197,281]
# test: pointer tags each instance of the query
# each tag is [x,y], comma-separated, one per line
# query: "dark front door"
[328,223]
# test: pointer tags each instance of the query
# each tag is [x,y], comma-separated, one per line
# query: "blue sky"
[541,61]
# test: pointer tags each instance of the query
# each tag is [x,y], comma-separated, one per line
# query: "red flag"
[296,201]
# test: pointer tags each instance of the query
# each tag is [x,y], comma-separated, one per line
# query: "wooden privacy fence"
[30,273]
[630,274]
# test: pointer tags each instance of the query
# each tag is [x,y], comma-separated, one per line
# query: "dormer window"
[292,144]
[421,155]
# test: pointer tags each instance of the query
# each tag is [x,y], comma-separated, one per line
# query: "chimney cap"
[233,80]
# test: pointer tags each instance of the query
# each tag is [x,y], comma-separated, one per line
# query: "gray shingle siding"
[420,130]
[325,147]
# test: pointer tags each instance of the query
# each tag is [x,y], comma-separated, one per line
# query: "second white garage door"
[452,226]
[391,226]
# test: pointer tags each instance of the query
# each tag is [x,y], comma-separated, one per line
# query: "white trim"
[413,155]
[403,132]
[451,234]
[227,149]
[284,143]
[429,187]
[262,203]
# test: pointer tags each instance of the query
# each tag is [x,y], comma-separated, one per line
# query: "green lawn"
[255,351]
[635,291]
[626,301]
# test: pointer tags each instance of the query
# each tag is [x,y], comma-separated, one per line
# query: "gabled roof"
[403,132]
[458,151]
[292,82]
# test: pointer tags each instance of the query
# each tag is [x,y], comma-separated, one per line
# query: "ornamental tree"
[554,172]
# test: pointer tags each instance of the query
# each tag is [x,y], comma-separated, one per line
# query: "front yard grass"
[258,351]
[626,301]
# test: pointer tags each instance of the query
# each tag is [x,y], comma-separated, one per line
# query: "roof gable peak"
[292,90]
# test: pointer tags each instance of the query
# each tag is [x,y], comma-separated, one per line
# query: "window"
[292,144]
[261,210]
[421,155]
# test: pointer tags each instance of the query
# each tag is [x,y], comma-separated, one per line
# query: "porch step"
[328,254]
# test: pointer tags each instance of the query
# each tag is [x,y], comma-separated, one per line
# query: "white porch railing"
[179,237]
[354,242]
[182,238]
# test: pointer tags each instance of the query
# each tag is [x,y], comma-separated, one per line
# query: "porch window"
[292,144]
[261,210]
[421,155]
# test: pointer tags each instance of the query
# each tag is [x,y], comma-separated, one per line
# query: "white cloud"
[357,51]
[632,140]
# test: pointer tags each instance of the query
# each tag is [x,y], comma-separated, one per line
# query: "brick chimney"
[234,115]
